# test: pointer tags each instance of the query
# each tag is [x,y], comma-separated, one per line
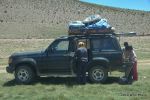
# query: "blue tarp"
[95,25]
[102,24]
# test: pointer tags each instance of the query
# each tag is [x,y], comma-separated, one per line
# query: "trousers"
[81,71]
[129,72]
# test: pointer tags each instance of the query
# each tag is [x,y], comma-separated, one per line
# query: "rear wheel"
[24,75]
[98,74]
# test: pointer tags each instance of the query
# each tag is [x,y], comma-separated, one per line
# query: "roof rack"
[130,34]
[88,35]
[98,34]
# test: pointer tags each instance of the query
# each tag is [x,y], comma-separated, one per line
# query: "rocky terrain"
[50,18]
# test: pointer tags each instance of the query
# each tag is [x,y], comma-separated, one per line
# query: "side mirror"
[52,50]
[49,50]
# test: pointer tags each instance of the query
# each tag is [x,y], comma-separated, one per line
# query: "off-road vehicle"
[104,51]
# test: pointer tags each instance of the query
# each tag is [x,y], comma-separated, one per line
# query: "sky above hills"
[128,4]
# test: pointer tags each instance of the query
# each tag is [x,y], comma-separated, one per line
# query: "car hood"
[27,54]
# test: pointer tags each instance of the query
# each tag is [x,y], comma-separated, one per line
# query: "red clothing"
[135,73]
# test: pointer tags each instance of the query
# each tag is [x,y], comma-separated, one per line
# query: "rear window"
[103,44]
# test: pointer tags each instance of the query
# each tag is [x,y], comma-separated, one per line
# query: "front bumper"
[9,69]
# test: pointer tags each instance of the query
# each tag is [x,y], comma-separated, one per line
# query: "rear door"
[107,47]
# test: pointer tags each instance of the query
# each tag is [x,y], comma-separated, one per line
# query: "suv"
[104,51]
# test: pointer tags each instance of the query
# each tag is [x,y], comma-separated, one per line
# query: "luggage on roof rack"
[84,30]
[76,27]
[91,20]
[91,25]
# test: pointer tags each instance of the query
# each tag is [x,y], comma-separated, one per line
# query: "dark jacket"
[81,54]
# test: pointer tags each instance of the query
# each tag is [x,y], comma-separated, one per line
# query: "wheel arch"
[27,62]
[102,62]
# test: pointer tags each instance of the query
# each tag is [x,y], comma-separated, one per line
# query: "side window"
[62,46]
[96,45]
[108,44]
[103,44]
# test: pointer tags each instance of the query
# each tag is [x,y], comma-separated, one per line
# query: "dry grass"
[66,89]
[10,46]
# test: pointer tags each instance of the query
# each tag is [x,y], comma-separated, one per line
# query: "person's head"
[126,44]
[81,44]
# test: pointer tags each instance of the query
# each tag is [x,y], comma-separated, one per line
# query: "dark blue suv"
[104,51]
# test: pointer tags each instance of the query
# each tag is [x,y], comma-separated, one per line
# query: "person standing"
[82,60]
[130,56]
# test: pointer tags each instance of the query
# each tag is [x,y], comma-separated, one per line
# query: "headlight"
[10,60]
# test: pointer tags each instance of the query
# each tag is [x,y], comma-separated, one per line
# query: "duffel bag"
[76,24]
[92,20]
[100,27]
[76,27]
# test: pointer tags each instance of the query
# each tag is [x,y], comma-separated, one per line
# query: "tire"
[24,75]
[98,74]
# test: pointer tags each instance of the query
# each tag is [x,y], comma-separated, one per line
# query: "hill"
[49,18]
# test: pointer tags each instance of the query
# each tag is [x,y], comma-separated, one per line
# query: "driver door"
[59,58]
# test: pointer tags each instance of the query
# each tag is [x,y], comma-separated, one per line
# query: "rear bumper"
[9,69]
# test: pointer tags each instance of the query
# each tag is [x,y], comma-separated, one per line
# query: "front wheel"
[98,74]
[24,75]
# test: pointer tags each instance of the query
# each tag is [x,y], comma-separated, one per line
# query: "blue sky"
[129,4]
